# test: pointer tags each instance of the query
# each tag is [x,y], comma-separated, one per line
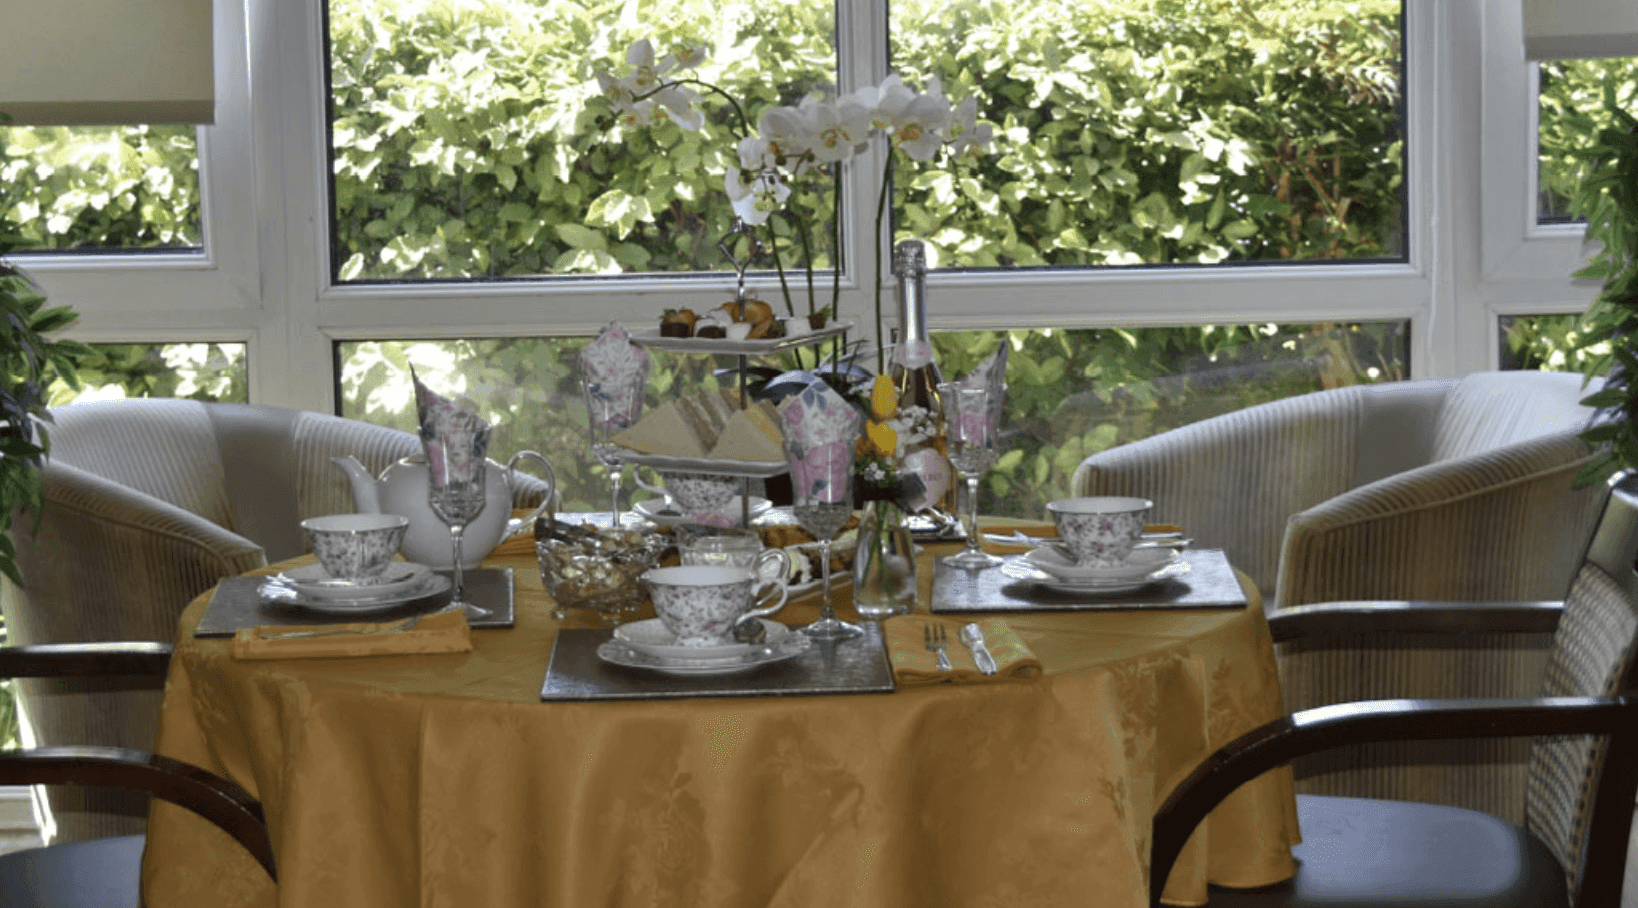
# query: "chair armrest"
[1311,731]
[1356,619]
[216,799]
[68,660]
[1504,524]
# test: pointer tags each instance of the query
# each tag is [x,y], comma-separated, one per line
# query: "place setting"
[1100,556]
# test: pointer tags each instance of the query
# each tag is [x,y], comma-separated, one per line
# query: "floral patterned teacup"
[694,493]
[355,548]
[1099,531]
[700,604]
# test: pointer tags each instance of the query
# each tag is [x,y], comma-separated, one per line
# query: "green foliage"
[1608,197]
[30,360]
[1144,132]
[210,372]
[133,187]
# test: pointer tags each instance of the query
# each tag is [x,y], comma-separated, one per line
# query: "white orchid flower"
[690,54]
[886,101]
[642,113]
[919,130]
[619,92]
[840,129]
[681,103]
[640,57]
[965,135]
[789,135]
[755,194]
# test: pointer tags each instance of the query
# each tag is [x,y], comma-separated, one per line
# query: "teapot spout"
[366,497]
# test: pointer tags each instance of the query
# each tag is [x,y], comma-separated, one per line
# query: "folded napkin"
[440,632]
[914,663]
[1042,532]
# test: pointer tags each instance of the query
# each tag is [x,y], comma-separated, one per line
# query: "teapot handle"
[518,525]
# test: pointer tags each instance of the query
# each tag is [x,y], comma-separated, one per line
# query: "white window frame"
[263,276]
[1525,266]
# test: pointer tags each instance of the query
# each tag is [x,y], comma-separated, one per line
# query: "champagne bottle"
[916,377]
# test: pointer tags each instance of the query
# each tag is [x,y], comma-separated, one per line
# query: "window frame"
[263,277]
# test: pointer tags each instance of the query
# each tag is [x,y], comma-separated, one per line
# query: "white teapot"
[402,489]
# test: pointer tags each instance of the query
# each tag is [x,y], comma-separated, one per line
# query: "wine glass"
[970,444]
[457,496]
[823,508]
[611,408]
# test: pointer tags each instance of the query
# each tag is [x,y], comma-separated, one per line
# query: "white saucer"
[1139,564]
[651,638]
[311,581]
[430,584]
[663,512]
[1019,569]
[789,646]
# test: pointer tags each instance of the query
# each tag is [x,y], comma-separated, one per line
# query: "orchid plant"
[798,145]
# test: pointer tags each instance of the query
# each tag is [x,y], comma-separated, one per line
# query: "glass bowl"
[596,573]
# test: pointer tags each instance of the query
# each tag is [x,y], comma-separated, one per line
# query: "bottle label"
[913,354]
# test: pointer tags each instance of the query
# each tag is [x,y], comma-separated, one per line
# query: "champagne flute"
[970,443]
[822,501]
[610,409]
[456,494]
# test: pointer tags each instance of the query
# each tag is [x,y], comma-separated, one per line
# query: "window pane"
[212,372]
[1160,133]
[1550,342]
[1071,393]
[91,189]
[465,145]
[1075,393]
[1573,105]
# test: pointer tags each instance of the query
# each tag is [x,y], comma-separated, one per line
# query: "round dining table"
[445,779]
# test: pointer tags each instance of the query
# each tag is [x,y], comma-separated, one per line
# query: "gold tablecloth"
[442,780]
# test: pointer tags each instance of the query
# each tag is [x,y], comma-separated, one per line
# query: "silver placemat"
[1209,583]
[238,604]
[857,665]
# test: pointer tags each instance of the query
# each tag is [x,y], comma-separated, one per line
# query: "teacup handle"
[637,476]
[767,572]
[780,593]
[517,525]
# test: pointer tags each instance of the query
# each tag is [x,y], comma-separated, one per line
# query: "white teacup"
[1099,531]
[694,493]
[740,549]
[355,547]
[700,604]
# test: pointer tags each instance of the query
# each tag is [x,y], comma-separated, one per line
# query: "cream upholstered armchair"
[1439,489]
[147,504]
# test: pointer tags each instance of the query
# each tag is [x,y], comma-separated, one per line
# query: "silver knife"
[974,638]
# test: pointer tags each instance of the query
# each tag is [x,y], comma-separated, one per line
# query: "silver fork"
[937,640]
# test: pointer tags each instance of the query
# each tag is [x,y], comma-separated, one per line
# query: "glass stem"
[826,611]
[972,512]
[614,496]
[457,594]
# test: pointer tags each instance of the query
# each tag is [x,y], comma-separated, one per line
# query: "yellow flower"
[882,438]
[884,399]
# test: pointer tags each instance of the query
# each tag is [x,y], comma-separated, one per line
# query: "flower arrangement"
[878,457]
[800,145]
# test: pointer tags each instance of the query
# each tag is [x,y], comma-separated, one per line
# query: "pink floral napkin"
[455,437]
[820,429]
[614,367]
[991,374]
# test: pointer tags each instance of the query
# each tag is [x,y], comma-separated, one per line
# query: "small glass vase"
[884,568]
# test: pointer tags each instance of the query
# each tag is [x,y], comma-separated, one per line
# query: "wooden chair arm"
[1347,724]
[71,660]
[212,797]
[1354,619]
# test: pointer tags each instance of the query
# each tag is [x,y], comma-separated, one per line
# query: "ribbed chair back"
[1592,655]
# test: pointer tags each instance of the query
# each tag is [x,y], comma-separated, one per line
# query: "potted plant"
[1608,198]
[30,359]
